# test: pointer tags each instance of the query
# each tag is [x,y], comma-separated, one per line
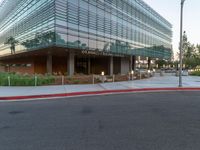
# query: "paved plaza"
[166,81]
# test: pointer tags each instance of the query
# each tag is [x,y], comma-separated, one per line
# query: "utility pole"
[181,45]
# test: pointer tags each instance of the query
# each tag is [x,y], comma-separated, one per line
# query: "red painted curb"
[96,93]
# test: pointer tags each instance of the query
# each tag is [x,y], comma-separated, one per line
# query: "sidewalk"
[166,81]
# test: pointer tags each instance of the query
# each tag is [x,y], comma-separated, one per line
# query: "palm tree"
[12,42]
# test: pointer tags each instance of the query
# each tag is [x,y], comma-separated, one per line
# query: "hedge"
[25,80]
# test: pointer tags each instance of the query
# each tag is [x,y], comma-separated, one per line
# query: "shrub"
[25,80]
[195,73]
[76,81]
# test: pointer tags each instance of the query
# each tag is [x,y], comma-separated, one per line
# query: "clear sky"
[170,9]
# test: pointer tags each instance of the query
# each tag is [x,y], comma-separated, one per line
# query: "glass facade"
[127,27]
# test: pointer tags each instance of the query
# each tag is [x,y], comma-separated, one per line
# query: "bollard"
[132,76]
[63,80]
[149,73]
[35,80]
[154,71]
[161,73]
[140,76]
[9,81]
[113,78]
[132,73]
[103,78]
[92,79]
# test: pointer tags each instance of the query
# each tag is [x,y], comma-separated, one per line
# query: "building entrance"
[82,65]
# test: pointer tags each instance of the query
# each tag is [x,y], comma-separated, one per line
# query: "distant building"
[81,36]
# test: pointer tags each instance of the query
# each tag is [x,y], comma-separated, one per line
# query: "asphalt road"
[144,121]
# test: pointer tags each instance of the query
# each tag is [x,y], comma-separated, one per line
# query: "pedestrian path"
[154,82]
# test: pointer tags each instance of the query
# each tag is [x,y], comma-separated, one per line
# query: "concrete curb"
[91,93]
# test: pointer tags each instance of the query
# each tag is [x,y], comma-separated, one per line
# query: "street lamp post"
[181,45]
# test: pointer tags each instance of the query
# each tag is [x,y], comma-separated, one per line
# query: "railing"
[38,80]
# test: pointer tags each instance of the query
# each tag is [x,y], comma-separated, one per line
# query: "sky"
[170,10]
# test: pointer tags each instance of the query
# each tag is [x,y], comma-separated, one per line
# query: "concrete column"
[111,65]
[134,63]
[70,63]
[89,65]
[49,63]
[131,64]
[149,63]
[124,65]
[139,65]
